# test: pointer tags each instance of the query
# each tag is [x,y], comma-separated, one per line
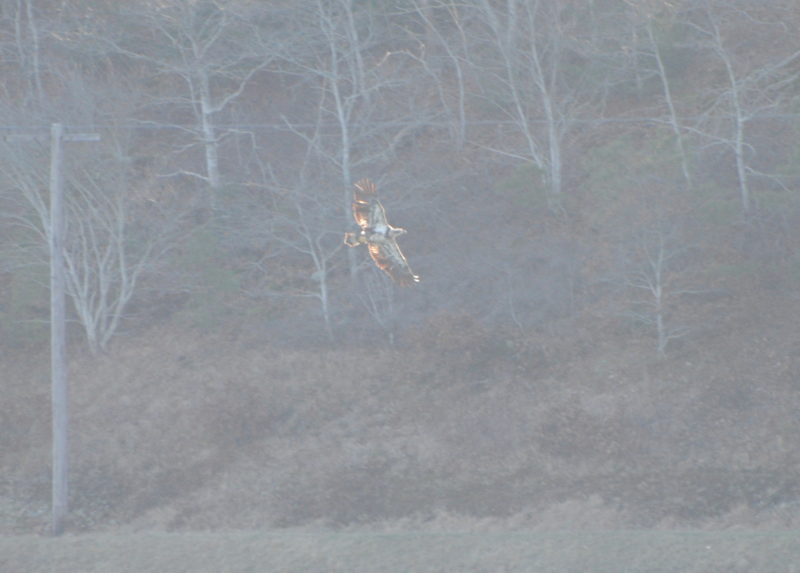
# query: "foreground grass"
[302,551]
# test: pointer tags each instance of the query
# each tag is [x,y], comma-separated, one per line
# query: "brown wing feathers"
[363,196]
[390,259]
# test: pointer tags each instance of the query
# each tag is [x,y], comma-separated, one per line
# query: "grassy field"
[301,551]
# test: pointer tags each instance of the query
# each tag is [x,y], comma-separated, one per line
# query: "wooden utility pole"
[58,355]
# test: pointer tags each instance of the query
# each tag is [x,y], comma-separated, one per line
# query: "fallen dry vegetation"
[186,430]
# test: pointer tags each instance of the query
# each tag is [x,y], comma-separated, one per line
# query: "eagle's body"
[379,236]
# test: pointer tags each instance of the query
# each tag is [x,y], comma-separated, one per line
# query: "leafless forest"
[601,198]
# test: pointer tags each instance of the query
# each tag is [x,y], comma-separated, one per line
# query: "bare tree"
[297,216]
[752,87]
[646,14]
[657,273]
[105,251]
[204,47]
[445,32]
[27,47]
[107,256]
[306,230]
[378,299]
[528,83]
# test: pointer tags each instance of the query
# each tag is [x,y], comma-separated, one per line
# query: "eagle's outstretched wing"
[389,258]
[367,210]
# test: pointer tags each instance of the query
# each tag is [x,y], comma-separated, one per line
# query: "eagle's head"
[396,232]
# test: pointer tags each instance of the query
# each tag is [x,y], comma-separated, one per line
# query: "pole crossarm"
[64,137]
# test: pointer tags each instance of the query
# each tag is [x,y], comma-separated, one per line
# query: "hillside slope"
[578,427]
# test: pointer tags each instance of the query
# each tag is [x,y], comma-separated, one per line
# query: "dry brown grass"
[178,430]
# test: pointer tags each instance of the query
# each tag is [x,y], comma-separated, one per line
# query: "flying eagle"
[379,236]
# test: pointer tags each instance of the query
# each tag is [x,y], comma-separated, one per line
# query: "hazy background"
[601,198]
